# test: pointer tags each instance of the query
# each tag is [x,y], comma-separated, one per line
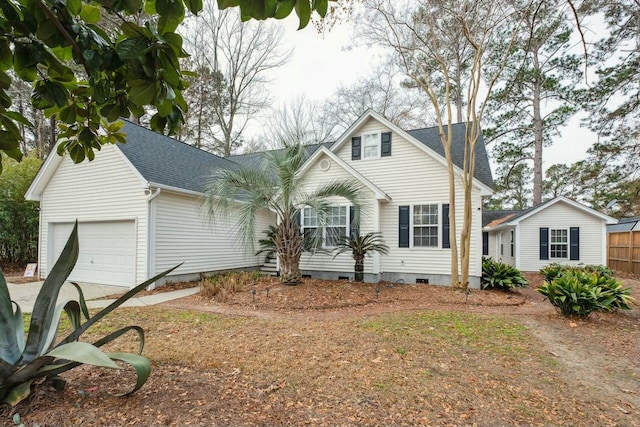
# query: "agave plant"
[360,246]
[39,357]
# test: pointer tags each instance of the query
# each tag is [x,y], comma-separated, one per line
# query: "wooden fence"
[624,251]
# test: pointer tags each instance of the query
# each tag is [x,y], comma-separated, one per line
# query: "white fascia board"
[606,218]
[39,183]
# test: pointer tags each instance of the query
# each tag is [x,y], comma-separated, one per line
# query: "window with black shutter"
[356,148]
[544,243]
[446,243]
[574,243]
[385,150]
[403,238]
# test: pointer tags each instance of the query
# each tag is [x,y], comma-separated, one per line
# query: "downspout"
[152,193]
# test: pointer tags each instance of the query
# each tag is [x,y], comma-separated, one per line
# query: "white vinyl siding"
[184,233]
[558,216]
[104,190]
[408,176]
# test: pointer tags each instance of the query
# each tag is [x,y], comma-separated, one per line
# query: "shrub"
[579,293]
[221,286]
[37,358]
[554,270]
[498,275]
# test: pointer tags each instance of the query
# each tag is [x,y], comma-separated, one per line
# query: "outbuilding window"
[559,243]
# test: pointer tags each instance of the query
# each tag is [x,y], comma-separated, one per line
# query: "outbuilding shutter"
[356,147]
[446,243]
[574,243]
[485,243]
[544,243]
[403,238]
[385,149]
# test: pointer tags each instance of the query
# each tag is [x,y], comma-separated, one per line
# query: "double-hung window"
[309,225]
[559,243]
[425,225]
[335,227]
[371,145]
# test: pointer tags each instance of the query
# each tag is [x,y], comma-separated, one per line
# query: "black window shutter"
[446,242]
[574,243]
[485,243]
[356,145]
[296,218]
[544,243]
[385,149]
[354,226]
[403,238]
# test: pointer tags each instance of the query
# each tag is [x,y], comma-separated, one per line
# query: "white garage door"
[107,251]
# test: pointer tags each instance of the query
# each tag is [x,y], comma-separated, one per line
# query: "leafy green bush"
[221,286]
[579,293]
[23,362]
[554,270]
[18,217]
[498,275]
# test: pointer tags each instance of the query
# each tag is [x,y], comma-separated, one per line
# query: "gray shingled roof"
[430,138]
[167,161]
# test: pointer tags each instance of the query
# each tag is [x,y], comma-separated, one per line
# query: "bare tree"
[384,93]
[299,121]
[238,57]
[418,33]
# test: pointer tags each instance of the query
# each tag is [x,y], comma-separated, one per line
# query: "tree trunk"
[359,269]
[537,132]
[289,248]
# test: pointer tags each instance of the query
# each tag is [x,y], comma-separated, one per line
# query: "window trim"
[378,137]
[347,227]
[438,226]
[566,244]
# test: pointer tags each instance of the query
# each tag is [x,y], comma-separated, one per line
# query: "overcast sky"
[321,62]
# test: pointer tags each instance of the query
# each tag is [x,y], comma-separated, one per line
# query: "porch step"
[269,268]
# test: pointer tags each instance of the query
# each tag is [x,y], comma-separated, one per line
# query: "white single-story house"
[559,230]
[139,206]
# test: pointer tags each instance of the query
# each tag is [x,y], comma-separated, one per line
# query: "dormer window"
[371,145]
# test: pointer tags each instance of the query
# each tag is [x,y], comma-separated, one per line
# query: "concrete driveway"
[25,295]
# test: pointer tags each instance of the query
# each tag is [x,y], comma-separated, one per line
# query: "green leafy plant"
[579,293]
[498,275]
[38,358]
[268,244]
[554,270]
[360,246]
[221,286]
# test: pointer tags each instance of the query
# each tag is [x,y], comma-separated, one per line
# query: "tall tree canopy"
[91,62]
[534,97]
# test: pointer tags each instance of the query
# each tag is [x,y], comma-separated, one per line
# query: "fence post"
[630,268]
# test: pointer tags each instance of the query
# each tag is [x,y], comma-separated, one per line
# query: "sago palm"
[360,246]
[276,186]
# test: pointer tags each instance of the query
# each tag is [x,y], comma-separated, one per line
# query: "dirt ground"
[329,353]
